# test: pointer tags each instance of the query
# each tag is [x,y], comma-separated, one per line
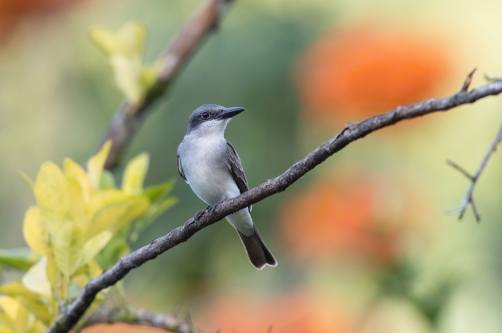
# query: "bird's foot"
[211,208]
[199,214]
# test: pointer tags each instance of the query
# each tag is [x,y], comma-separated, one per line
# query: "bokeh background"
[363,241]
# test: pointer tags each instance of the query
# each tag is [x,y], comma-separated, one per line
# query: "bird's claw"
[211,208]
[199,214]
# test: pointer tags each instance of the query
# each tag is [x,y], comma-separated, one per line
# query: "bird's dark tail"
[257,251]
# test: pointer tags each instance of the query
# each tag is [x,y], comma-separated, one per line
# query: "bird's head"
[210,119]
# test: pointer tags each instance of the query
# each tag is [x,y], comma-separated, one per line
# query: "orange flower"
[360,72]
[350,215]
[13,11]
[288,314]
[122,328]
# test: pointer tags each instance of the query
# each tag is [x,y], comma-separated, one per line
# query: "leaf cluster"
[82,223]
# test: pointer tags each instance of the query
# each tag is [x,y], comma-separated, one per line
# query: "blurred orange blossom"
[13,11]
[351,215]
[122,328]
[294,313]
[360,71]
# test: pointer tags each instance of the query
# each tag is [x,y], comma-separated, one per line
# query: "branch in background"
[129,117]
[270,187]
[133,316]
[468,198]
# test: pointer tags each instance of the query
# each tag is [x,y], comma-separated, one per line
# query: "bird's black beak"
[230,112]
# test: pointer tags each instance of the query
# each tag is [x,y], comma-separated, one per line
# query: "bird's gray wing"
[235,168]
[180,169]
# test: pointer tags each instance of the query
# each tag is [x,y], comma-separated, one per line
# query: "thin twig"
[468,198]
[467,81]
[166,321]
[129,117]
[459,169]
[270,187]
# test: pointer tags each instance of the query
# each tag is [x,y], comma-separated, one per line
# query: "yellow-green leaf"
[154,193]
[5,329]
[16,289]
[150,75]
[105,40]
[52,271]
[134,174]
[68,249]
[18,258]
[38,327]
[9,306]
[94,269]
[35,235]
[38,309]
[51,193]
[107,181]
[151,214]
[107,217]
[36,280]
[21,320]
[136,208]
[127,72]
[128,41]
[74,171]
[94,245]
[96,164]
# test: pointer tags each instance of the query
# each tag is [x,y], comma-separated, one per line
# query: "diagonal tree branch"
[468,198]
[270,187]
[132,316]
[129,117]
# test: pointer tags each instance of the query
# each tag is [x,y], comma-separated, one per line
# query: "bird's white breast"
[204,164]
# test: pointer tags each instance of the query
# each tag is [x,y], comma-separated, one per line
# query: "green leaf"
[107,181]
[154,193]
[18,258]
[116,249]
[151,214]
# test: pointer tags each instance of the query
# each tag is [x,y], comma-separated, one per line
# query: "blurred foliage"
[124,50]
[81,225]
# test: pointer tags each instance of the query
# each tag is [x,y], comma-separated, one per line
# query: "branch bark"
[129,117]
[167,321]
[468,198]
[270,187]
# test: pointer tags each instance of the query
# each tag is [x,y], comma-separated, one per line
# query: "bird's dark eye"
[205,115]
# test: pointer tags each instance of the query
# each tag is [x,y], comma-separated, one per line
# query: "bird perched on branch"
[212,168]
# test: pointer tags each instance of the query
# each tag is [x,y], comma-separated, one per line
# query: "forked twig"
[468,198]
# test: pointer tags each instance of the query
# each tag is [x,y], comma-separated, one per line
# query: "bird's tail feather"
[257,251]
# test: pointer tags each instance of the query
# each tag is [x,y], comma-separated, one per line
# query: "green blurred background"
[363,241]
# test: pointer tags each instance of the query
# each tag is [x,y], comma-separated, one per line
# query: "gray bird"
[212,168]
